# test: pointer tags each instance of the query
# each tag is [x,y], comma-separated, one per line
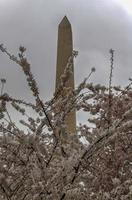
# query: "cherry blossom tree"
[43,161]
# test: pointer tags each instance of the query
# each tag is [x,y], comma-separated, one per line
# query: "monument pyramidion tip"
[65,22]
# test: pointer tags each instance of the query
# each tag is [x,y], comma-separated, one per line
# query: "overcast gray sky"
[97,25]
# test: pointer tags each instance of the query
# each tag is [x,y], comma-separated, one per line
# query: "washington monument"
[64,51]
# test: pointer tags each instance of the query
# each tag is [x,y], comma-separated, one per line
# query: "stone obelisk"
[64,51]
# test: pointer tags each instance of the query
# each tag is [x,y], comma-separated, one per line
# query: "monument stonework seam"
[64,51]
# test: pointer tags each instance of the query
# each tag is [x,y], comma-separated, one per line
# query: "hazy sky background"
[97,25]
